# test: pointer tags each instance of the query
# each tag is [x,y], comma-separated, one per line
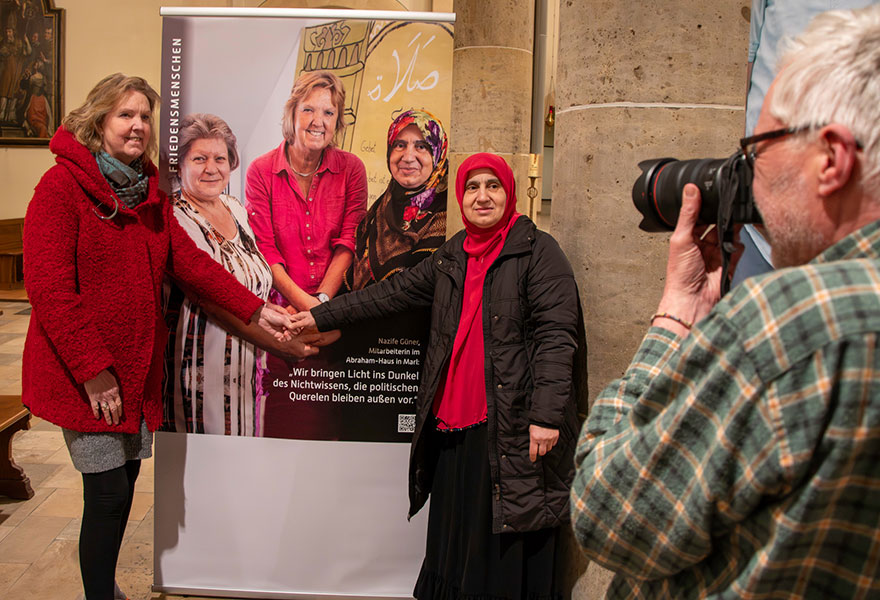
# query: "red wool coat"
[95,288]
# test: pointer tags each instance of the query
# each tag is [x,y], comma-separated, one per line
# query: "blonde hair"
[304,85]
[86,122]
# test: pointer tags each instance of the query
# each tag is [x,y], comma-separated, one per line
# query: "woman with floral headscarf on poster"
[496,420]
[408,221]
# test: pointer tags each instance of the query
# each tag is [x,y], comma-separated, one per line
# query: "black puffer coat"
[531,318]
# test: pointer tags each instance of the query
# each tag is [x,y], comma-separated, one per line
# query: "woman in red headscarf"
[496,419]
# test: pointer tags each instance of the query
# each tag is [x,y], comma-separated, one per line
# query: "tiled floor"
[38,537]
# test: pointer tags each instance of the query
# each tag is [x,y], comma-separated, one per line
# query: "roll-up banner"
[315,502]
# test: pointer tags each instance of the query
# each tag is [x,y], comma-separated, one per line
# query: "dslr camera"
[725,190]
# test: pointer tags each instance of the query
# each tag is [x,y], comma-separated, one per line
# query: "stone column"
[635,81]
[491,88]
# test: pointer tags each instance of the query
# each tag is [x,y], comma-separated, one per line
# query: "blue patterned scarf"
[129,182]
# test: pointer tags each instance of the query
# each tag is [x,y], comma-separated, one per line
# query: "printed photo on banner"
[314,195]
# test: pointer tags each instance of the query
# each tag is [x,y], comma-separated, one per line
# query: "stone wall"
[635,80]
[491,89]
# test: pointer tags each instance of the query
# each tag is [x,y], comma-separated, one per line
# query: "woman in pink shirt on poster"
[306,197]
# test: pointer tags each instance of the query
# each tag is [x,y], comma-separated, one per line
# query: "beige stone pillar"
[635,80]
[491,88]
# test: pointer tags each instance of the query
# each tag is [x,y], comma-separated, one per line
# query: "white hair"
[831,74]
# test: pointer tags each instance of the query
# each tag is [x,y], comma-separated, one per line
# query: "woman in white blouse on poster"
[210,361]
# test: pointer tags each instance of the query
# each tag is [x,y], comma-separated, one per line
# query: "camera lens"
[725,185]
[657,191]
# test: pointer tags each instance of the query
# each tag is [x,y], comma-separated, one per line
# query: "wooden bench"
[11,253]
[13,417]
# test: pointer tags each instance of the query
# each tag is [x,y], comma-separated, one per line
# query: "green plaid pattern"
[743,461]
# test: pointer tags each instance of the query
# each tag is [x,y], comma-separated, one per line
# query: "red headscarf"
[461,399]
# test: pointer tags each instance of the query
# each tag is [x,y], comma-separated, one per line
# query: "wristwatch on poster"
[322,297]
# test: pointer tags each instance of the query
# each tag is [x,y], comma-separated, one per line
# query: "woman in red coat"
[99,237]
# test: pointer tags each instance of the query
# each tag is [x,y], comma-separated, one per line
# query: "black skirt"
[464,559]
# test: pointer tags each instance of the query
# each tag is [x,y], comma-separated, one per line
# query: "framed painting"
[31,71]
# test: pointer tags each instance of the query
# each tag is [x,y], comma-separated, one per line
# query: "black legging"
[107,500]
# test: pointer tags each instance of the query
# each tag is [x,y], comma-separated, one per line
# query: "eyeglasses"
[749,145]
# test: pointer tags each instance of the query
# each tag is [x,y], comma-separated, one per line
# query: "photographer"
[772,21]
[737,456]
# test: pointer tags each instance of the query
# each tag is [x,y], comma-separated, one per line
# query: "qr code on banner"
[406,423]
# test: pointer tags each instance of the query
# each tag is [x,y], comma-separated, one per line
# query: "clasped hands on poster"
[303,323]
[280,323]
[276,321]
[300,341]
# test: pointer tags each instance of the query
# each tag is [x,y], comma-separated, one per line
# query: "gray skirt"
[103,451]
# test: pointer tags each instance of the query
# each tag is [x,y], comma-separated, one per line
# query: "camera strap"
[725,225]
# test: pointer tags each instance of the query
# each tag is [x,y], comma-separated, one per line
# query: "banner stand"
[319,510]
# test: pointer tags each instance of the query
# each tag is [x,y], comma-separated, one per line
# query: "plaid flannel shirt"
[743,461]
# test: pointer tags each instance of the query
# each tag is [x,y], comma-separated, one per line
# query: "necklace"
[307,175]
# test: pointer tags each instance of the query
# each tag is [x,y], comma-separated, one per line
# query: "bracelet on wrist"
[666,315]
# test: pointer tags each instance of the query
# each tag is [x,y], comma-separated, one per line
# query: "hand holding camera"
[694,270]
[723,188]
